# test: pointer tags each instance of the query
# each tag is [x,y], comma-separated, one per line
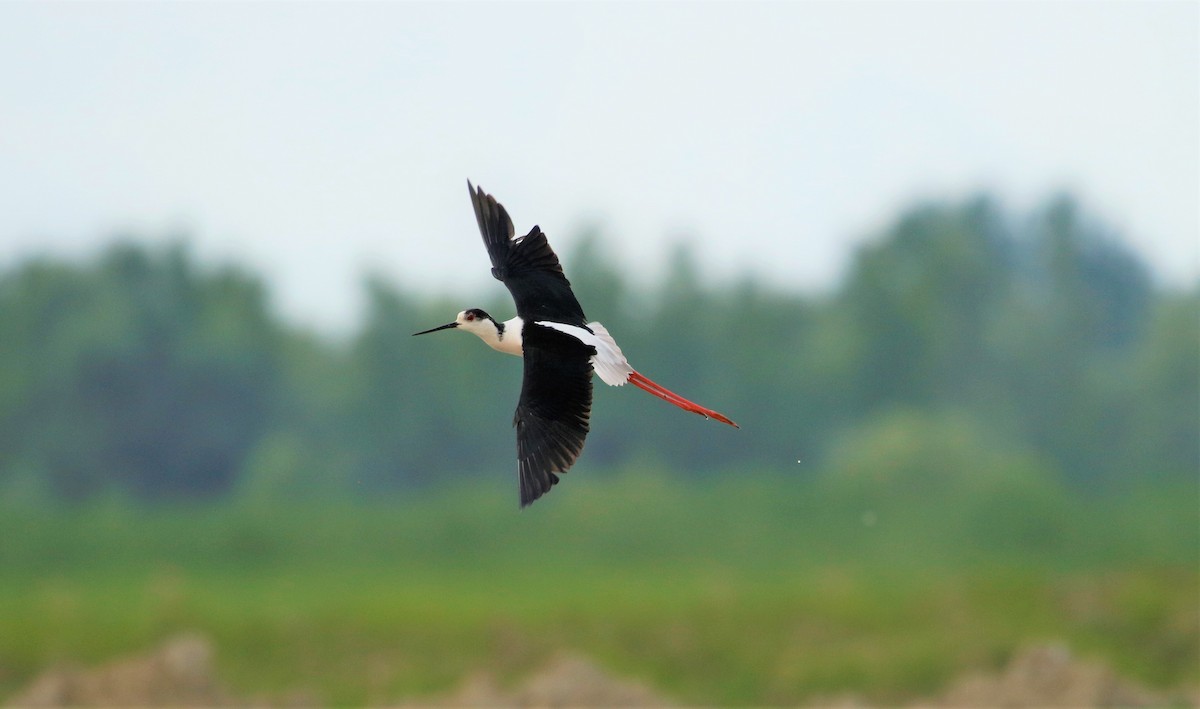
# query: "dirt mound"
[566,681]
[178,673]
[1047,676]
[1040,676]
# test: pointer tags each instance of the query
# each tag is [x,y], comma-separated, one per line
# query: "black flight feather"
[554,409]
[526,265]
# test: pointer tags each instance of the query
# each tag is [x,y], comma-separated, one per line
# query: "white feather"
[608,362]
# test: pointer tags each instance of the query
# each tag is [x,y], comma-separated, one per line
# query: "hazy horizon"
[317,142]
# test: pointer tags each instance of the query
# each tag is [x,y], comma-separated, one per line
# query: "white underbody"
[608,362]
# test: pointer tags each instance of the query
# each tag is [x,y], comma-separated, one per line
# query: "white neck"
[510,343]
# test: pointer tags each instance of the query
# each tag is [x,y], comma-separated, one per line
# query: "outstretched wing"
[526,265]
[556,403]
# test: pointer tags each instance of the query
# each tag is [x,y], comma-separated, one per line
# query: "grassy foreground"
[745,589]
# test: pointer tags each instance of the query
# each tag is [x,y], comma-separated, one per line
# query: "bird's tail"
[609,362]
[615,370]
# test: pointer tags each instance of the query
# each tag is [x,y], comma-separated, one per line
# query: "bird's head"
[474,321]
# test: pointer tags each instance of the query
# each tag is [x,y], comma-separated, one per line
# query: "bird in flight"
[559,346]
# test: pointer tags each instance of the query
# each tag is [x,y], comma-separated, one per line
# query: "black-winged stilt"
[560,348]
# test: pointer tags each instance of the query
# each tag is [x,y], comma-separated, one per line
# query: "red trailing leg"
[645,384]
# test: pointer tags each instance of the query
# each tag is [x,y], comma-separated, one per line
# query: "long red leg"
[661,392]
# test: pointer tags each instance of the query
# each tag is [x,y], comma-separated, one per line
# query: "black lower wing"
[556,403]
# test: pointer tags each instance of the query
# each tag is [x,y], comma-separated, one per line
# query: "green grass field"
[743,589]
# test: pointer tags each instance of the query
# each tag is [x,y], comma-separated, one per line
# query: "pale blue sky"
[316,142]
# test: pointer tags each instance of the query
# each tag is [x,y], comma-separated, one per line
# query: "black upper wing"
[526,265]
[556,403]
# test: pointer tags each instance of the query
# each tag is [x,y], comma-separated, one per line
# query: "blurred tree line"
[962,333]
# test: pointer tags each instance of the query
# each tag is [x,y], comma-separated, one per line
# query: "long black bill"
[443,327]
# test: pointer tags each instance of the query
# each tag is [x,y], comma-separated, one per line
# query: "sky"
[318,142]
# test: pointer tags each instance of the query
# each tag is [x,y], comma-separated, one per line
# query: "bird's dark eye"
[470,316]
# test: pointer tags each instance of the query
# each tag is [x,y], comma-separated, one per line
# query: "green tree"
[137,370]
[1079,303]
[925,473]
[922,298]
[1163,436]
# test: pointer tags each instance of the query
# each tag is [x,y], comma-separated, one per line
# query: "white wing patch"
[608,362]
